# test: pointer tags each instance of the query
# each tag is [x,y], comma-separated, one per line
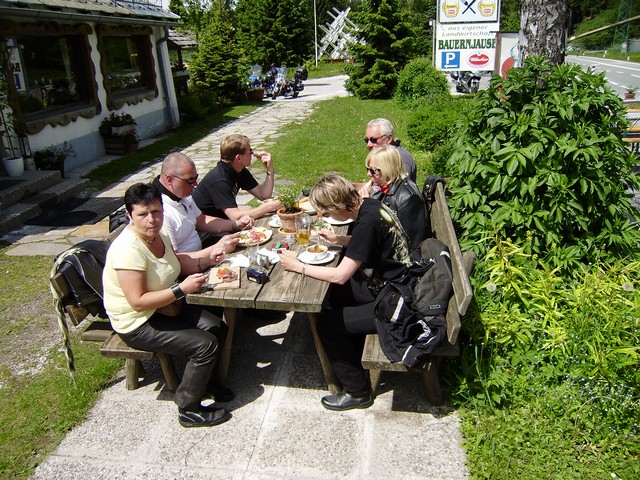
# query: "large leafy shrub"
[432,124]
[418,82]
[541,156]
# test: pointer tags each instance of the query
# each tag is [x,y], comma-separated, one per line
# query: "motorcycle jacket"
[404,198]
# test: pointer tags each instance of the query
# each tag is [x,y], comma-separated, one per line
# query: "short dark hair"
[141,194]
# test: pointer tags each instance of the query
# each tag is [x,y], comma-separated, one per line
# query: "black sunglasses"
[373,139]
[372,171]
[190,181]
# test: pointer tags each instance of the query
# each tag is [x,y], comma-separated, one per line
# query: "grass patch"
[107,174]
[325,69]
[331,140]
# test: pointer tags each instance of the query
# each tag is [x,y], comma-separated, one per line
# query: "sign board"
[507,53]
[462,11]
[466,46]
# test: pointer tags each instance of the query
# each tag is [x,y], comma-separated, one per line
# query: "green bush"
[554,352]
[434,123]
[541,156]
[418,82]
[191,108]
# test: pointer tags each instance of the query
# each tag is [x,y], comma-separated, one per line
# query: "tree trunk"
[543,26]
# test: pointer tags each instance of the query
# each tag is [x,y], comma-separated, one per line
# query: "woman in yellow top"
[140,281]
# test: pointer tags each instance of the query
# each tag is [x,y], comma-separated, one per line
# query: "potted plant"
[117,124]
[630,94]
[290,212]
[10,151]
[119,133]
[255,94]
[54,157]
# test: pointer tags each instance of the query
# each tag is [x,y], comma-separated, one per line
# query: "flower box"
[119,145]
[122,130]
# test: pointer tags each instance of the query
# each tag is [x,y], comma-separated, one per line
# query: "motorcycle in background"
[255,77]
[466,82]
[276,82]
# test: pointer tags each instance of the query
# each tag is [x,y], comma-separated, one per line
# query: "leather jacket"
[404,198]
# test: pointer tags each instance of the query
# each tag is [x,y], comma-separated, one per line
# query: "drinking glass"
[303,230]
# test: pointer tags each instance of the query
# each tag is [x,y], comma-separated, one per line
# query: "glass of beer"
[303,228]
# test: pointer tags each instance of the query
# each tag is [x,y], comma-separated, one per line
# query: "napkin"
[239,260]
[272,256]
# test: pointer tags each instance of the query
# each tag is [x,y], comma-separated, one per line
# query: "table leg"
[332,381]
[230,315]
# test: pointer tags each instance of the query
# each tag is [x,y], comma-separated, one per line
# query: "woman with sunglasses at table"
[143,297]
[389,183]
[376,252]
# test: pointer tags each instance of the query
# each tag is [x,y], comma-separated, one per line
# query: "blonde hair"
[232,145]
[334,193]
[388,161]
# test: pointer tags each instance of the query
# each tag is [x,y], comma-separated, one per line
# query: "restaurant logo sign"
[461,11]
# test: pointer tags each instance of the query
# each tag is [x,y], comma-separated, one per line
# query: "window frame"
[33,123]
[115,101]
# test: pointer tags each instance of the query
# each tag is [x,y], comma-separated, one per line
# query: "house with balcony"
[68,64]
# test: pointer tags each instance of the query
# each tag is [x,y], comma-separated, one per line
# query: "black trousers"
[195,334]
[343,327]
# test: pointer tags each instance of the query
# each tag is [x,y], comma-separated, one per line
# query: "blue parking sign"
[450,60]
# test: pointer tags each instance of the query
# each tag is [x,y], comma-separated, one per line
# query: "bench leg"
[169,371]
[432,382]
[132,370]
[374,378]
[230,316]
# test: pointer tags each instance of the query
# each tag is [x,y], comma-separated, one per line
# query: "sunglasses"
[190,181]
[373,171]
[373,139]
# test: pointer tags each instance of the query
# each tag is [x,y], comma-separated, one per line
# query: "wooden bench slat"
[97,331]
[114,347]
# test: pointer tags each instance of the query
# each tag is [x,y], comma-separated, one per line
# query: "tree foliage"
[541,161]
[387,44]
[275,32]
[216,66]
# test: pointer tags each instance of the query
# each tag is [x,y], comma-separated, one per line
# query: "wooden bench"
[113,346]
[374,359]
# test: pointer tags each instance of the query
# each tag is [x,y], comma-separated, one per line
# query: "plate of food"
[320,224]
[224,276]
[254,236]
[332,221]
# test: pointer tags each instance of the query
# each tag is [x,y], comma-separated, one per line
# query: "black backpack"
[410,314]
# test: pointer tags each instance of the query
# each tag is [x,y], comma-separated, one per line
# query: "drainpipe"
[171,106]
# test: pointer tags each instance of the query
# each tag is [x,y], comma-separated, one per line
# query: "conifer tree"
[216,66]
[386,46]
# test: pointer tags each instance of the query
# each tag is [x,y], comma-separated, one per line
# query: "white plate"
[275,222]
[336,222]
[306,257]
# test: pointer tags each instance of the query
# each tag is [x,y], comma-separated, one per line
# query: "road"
[619,74]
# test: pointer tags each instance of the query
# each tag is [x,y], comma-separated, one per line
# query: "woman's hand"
[328,236]
[365,190]
[290,262]
[194,282]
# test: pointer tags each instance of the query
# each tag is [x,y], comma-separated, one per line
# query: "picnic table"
[285,291]
[632,135]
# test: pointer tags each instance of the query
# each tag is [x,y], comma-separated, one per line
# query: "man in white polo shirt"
[183,220]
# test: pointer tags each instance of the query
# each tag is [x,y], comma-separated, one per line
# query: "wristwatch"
[177,291]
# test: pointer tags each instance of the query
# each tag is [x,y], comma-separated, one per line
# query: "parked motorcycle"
[276,82]
[466,82]
[255,77]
